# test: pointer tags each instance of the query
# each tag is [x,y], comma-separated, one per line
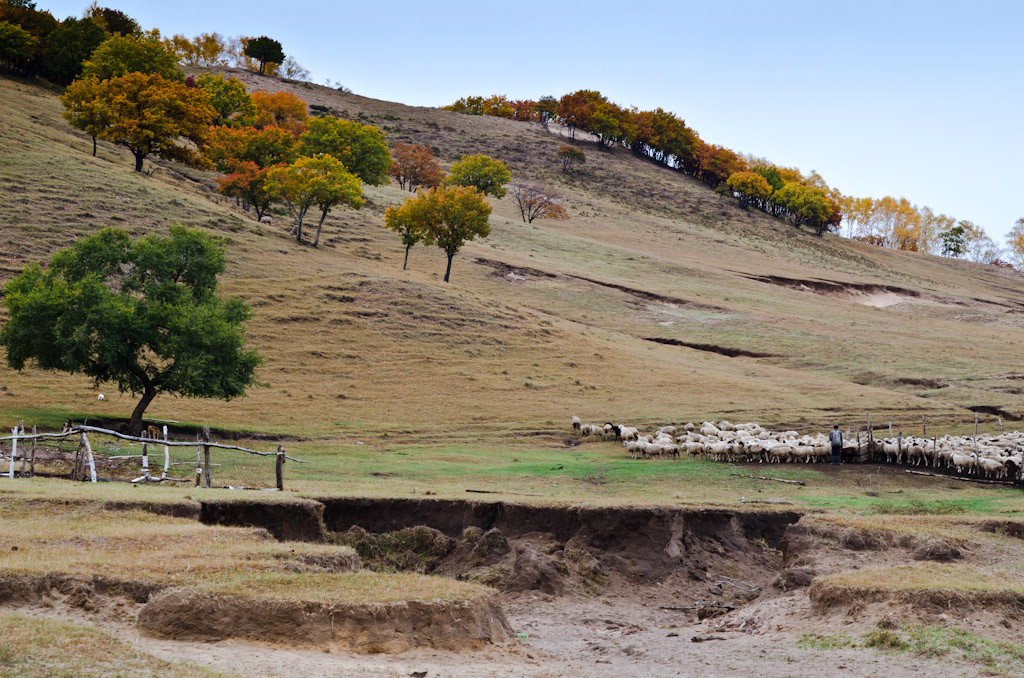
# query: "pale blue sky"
[916,99]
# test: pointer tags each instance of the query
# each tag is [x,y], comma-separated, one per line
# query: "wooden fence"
[153,468]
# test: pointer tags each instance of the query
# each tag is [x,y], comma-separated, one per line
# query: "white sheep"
[576,423]
[100,396]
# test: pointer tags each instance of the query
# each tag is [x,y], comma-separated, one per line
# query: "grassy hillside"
[540,321]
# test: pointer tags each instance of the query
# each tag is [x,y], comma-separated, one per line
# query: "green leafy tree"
[363,149]
[570,156]
[85,108]
[229,98]
[320,181]
[484,173]
[143,314]
[447,216]
[152,115]
[122,54]
[37,24]
[68,46]
[17,48]
[954,241]
[264,50]
[547,109]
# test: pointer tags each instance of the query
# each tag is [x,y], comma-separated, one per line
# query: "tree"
[122,54]
[752,187]
[570,156]
[113,21]
[362,148]
[68,46]
[267,146]
[282,109]
[1015,244]
[320,181]
[447,216]
[484,173]
[142,314]
[37,24]
[17,48]
[206,49]
[247,182]
[85,108]
[264,50]
[410,221]
[954,242]
[414,165]
[546,109]
[293,70]
[538,202]
[229,98]
[151,115]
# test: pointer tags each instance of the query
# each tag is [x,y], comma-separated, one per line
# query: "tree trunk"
[448,271]
[138,162]
[135,424]
[406,262]
[262,64]
[94,145]
[316,240]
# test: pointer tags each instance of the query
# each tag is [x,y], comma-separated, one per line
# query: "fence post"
[280,467]
[975,439]
[14,451]
[899,444]
[924,428]
[871,438]
[167,456]
[145,463]
[32,466]
[88,456]
[199,461]
[206,456]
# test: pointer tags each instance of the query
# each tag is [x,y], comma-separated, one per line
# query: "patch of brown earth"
[373,628]
[291,520]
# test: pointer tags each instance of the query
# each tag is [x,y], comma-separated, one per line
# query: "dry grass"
[34,647]
[41,536]
[927,576]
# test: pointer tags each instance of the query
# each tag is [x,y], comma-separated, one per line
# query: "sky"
[912,99]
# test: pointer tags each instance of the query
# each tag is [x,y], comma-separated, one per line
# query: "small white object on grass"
[101,397]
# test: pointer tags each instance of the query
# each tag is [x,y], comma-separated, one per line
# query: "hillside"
[586,316]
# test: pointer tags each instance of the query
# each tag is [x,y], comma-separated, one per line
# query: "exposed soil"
[995,411]
[366,629]
[293,520]
[652,296]
[588,591]
[711,348]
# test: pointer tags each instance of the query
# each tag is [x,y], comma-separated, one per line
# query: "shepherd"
[836,438]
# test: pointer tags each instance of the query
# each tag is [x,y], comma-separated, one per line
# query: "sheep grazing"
[266,219]
[100,396]
[576,423]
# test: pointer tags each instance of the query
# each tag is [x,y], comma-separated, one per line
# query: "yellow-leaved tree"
[147,114]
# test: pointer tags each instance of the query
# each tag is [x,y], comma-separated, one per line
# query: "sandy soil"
[612,637]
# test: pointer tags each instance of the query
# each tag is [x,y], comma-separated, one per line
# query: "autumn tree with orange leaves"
[414,165]
[537,202]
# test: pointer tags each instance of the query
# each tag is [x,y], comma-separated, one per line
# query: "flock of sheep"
[994,457]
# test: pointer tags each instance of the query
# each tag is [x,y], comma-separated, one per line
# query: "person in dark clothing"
[836,438]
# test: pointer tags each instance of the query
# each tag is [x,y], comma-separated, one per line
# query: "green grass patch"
[818,641]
